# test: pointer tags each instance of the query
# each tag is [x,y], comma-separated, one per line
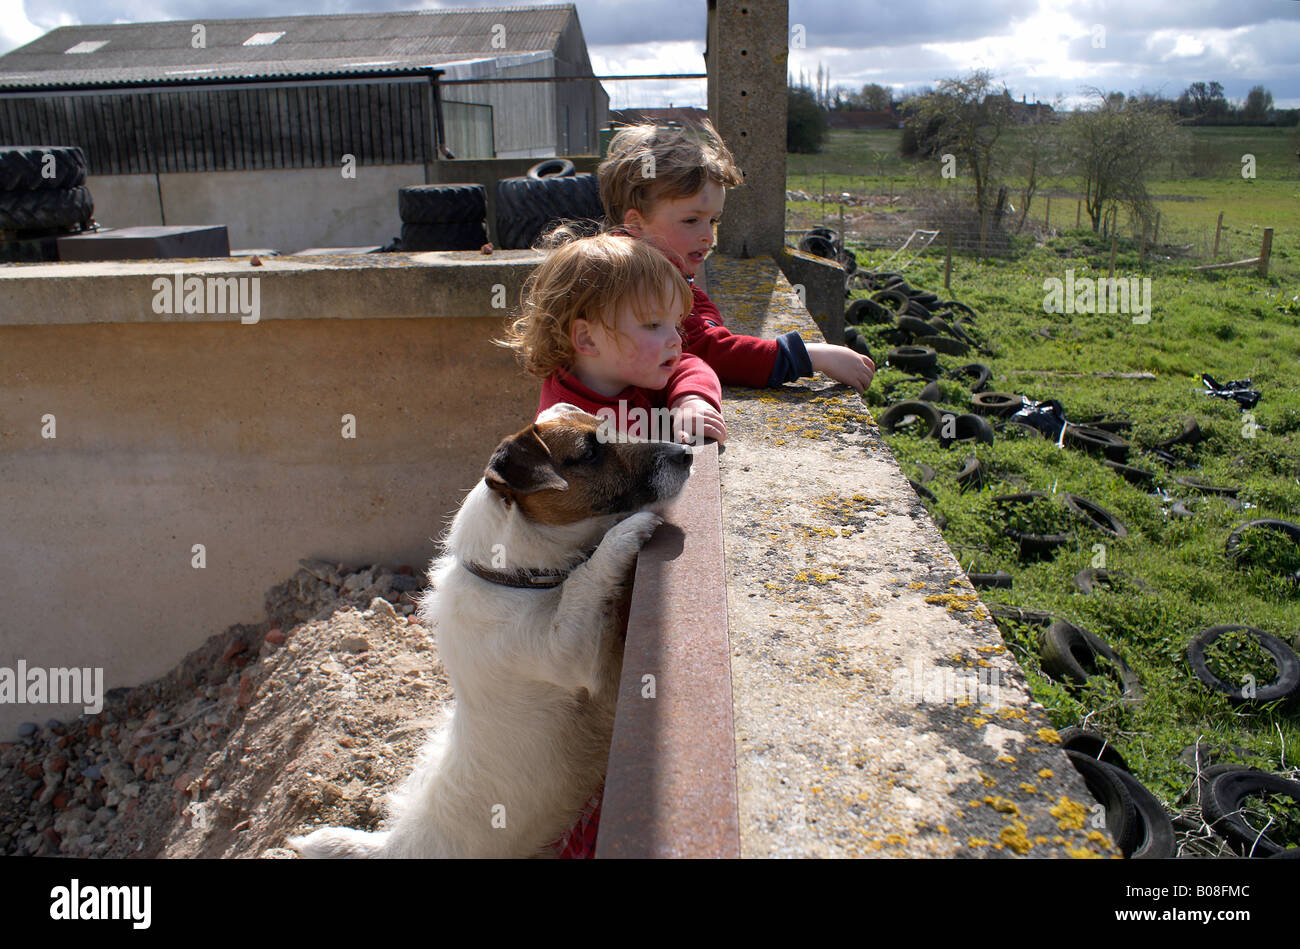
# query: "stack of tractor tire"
[529,205]
[43,195]
[443,216]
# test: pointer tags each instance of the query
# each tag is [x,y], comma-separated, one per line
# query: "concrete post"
[748,46]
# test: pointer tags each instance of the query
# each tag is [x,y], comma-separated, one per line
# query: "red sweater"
[691,377]
[739,360]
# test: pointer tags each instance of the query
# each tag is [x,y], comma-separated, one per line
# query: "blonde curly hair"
[647,164]
[589,278]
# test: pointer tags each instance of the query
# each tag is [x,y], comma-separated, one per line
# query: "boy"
[661,185]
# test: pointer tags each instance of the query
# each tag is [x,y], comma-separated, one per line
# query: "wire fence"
[930,223]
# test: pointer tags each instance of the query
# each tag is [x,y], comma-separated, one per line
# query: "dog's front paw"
[624,540]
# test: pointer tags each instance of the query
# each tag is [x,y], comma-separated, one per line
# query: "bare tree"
[968,117]
[1115,145]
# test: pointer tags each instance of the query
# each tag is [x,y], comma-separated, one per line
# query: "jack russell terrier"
[528,629]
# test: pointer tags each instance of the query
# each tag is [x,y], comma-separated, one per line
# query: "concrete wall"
[284,209]
[200,429]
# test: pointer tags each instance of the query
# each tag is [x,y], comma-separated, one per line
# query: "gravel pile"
[309,717]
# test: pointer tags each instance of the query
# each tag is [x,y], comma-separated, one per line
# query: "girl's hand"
[842,364]
[694,420]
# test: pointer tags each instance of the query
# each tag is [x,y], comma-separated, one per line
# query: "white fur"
[535,675]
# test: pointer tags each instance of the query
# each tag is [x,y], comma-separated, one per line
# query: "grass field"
[1229,324]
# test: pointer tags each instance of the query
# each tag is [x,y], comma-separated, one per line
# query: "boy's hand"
[842,364]
[694,420]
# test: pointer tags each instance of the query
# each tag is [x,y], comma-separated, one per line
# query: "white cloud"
[15,28]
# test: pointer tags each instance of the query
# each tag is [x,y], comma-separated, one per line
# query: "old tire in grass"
[442,204]
[966,428]
[1227,491]
[818,246]
[947,345]
[1068,650]
[926,472]
[1154,838]
[998,404]
[977,370]
[1135,476]
[1020,429]
[893,300]
[999,579]
[1031,543]
[922,491]
[1186,507]
[1085,581]
[1095,515]
[46,209]
[1092,744]
[1096,441]
[896,417]
[868,311]
[23,167]
[1190,435]
[1284,686]
[1222,804]
[971,474]
[916,326]
[916,358]
[1112,794]
[1232,547]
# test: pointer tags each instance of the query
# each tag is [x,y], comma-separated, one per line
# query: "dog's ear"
[522,465]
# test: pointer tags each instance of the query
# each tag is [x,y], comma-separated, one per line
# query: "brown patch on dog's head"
[560,471]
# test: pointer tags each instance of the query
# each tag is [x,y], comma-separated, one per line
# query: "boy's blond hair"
[647,164]
[588,278]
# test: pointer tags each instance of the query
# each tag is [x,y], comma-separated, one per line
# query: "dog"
[528,629]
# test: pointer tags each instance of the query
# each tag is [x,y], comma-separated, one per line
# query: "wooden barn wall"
[230,129]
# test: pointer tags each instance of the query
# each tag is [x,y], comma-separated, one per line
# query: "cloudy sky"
[1039,48]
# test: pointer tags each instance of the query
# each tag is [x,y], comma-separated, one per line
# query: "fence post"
[1047,218]
[1265,251]
[1217,229]
[1114,241]
[1155,238]
[1142,245]
[947,266]
[1078,212]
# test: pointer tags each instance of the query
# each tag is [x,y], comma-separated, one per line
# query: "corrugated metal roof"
[311,47]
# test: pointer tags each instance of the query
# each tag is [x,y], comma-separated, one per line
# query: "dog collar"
[523,579]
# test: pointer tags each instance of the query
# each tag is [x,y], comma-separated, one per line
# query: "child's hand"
[842,364]
[694,420]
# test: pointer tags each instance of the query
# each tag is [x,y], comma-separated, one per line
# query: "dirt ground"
[307,719]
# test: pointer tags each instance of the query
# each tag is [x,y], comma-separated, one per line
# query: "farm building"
[276,95]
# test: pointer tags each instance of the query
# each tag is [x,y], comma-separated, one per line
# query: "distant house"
[299,91]
[860,119]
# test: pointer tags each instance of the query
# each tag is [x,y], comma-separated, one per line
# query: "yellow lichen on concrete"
[1069,814]
[1048,735]
[1014,836]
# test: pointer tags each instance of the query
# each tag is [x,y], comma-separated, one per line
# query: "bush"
[806,128]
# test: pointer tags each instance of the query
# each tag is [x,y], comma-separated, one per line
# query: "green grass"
[1232,325]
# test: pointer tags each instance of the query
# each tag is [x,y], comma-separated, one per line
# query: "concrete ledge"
[445,284]
[670,790]
[877,710]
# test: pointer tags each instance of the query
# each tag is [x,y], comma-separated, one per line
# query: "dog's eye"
[588,456]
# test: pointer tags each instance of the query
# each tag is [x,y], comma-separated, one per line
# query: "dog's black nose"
[681,455]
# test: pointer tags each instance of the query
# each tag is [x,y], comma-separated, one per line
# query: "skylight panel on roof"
[263,39]
[86,46]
